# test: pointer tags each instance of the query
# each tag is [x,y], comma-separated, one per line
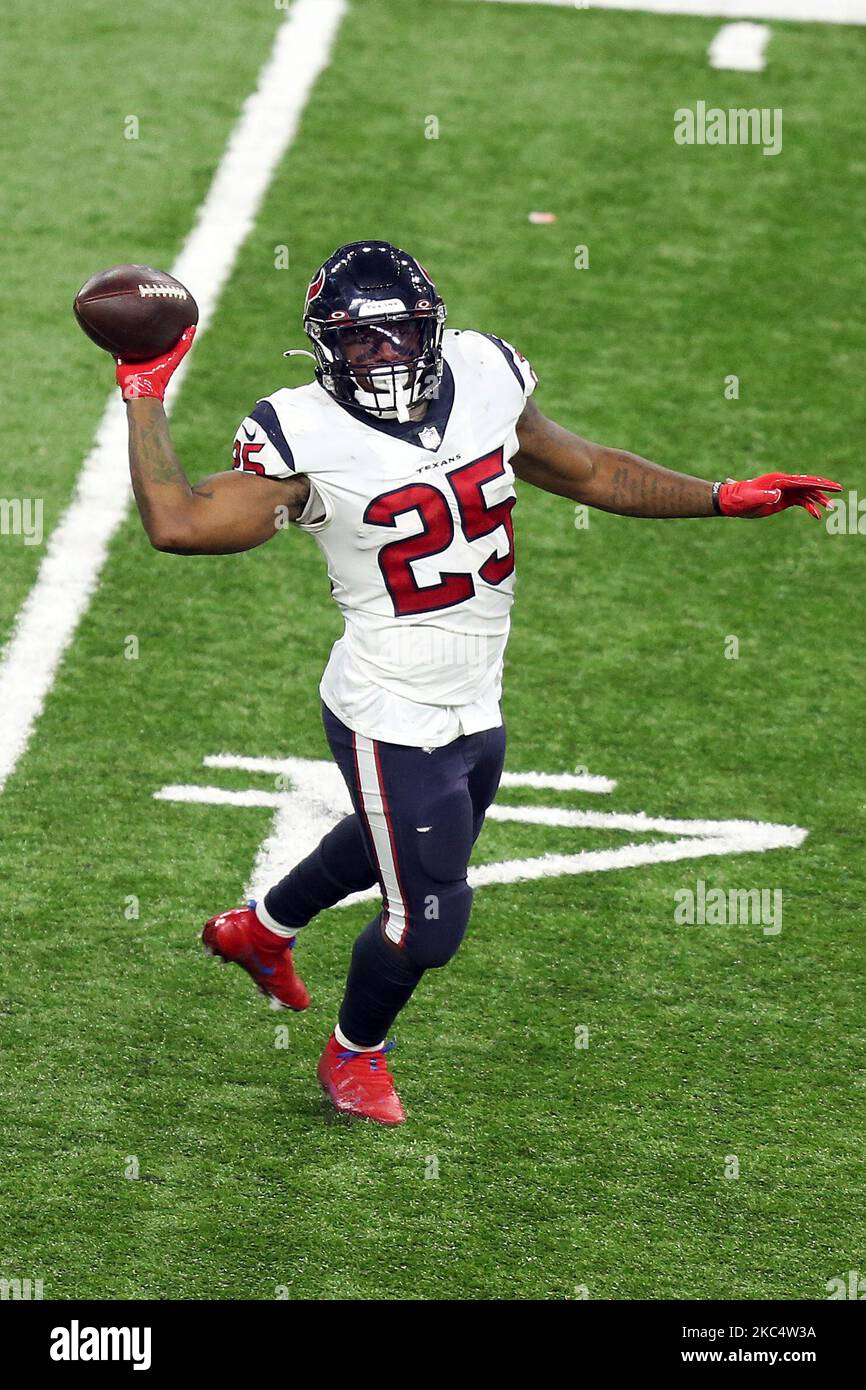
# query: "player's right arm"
[222,515]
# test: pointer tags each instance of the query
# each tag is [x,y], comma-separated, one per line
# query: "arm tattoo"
[151,454]
[639,488]
[158,481]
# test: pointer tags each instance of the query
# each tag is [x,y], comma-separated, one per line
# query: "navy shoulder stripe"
[265,415]
[509,359]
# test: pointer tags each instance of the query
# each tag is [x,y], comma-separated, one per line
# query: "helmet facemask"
[385,365]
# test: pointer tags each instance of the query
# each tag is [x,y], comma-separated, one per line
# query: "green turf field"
[559,1169]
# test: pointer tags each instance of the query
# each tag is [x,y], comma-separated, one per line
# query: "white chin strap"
[394,400]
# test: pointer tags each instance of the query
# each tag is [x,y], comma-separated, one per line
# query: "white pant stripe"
[373,802]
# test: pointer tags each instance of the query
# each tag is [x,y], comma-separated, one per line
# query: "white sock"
[353,1047]
[287,933]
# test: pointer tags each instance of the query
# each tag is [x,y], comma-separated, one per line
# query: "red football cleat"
[237,936]
[359,1083]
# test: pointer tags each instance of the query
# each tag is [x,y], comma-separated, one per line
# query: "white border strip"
[823,11]
[78,547]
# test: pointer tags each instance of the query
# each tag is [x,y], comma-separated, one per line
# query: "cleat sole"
[347,1113]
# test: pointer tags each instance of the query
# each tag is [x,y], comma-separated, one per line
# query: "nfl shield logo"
[430,438]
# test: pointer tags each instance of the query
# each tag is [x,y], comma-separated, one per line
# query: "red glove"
[151,378]
[773,493]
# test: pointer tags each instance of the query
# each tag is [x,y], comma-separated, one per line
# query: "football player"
[399,460]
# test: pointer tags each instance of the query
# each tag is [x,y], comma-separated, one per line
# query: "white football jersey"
[414,521]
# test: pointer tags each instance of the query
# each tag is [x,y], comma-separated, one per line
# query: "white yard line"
[740,47]
[79,544]
[825,11]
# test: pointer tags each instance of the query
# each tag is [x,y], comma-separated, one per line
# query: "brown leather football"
[134,311]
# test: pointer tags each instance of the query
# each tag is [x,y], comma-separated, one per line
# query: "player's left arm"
[613,480]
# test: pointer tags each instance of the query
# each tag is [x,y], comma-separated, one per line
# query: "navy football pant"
[417,816]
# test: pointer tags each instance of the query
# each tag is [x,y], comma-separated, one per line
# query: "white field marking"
[554,781]
[639,823]
[78,546]
[763,837]
[740,47]
[825,11]
[219,796]
[558,781]
[318,798]
[274,766]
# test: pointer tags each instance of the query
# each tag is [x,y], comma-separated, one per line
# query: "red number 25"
[477,518]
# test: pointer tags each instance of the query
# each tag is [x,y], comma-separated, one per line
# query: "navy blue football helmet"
[376,322]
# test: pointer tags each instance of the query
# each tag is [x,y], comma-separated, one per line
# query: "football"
[134,312]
